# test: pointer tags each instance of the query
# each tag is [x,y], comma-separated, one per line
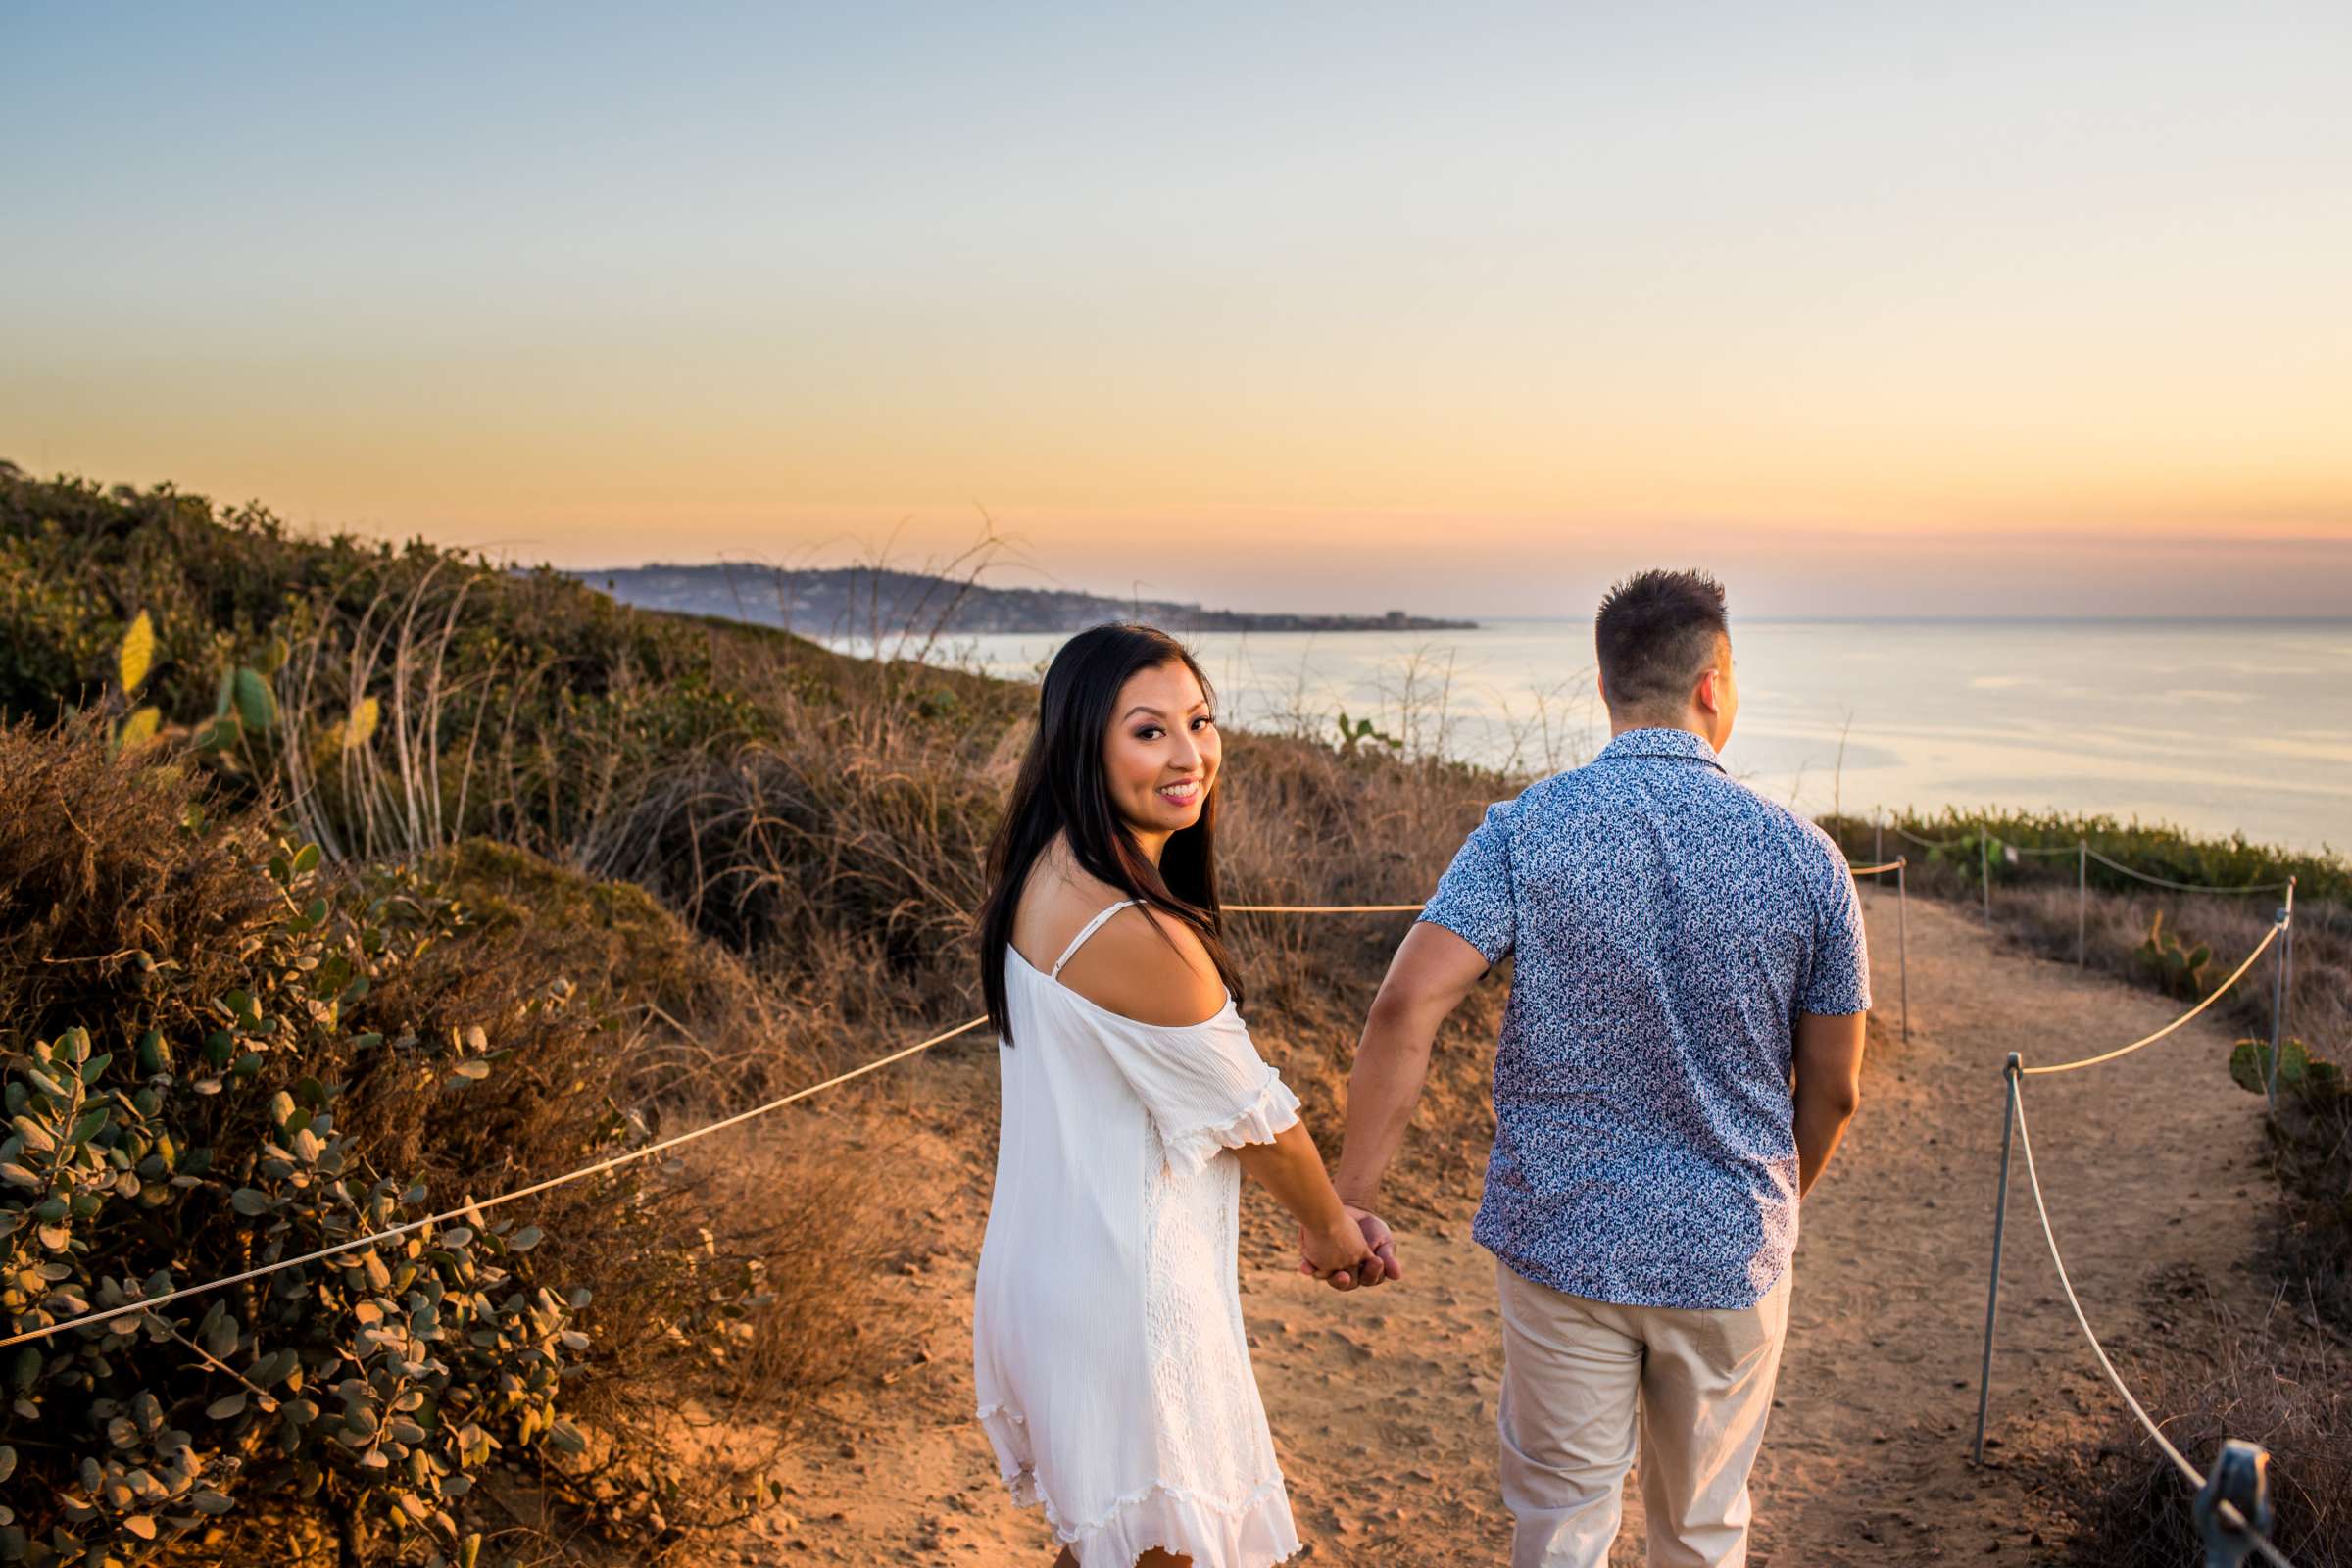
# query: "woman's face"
[1160,756]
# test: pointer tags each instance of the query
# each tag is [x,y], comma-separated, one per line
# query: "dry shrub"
[703,1024]
[789,845]
[93,868]
[2319,1009]
[2282,1383]
[740,1275]
[2311,1148]
[1305,823]
[807,1220]
[844,868]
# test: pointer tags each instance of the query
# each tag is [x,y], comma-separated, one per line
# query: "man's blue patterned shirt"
[1667,924]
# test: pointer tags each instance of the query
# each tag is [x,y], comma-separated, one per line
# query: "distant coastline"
[860,600]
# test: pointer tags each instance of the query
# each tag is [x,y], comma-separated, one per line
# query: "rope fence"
[1987,842]
[2235,975]
[2240,1505]
[2232,1503]
[474,1206]
[2187,887]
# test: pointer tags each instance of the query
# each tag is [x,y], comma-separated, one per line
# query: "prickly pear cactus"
[2300,1073]
[1353,732]
[2179,971]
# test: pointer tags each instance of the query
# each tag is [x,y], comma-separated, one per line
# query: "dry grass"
[94,866]
[1305,823]
[2281,1382]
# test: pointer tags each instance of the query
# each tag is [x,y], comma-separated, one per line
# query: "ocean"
[2215,727]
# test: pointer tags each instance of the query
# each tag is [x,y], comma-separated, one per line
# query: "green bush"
[202,1121]
[2311,1150]
[1950,861]
[559,690]
[218,1054]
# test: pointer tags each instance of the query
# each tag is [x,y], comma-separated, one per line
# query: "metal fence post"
[2286,950]
[1984,861]
[2000,1215]
[2082,903]
[2240,1479]
[1879,820]
[2286,953]
[1903,935]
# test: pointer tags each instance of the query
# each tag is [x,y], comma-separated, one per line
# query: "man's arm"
[1828,1089]
[1433,971]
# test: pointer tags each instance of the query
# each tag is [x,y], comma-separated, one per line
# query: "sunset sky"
[1890,309]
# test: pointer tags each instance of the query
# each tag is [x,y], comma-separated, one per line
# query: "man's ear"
[1708,693]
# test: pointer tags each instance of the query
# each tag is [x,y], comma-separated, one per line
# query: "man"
[1680,1056]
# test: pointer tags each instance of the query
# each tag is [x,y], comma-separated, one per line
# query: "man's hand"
[1338,1257]
[1383,1264]
[1377,1263]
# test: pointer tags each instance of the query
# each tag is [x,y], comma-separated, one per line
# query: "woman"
[1112,1372]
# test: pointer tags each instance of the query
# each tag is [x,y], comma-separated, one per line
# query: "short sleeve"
[1838,981]
[1473,899]
[1205,1087]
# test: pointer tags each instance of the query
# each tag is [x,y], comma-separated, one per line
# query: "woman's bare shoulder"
[1056,901]
[1144,965]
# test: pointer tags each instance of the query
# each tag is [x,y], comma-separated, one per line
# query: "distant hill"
[863,600]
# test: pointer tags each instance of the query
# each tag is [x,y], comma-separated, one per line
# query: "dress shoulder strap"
[1085,931]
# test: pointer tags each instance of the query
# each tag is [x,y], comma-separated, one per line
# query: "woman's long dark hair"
[1061,789]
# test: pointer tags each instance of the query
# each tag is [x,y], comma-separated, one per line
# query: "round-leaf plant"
[381,1380]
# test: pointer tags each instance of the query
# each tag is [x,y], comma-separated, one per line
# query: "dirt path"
[1383,1404]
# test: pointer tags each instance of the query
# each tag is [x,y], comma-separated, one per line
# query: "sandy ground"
[1383,1404]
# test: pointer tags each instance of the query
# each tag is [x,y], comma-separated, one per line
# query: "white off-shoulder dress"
[1111,1363]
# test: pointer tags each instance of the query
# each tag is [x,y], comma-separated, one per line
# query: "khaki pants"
[1577,1373]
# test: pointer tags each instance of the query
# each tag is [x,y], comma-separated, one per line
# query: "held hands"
[1359,1252]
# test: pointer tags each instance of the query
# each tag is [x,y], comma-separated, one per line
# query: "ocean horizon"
[2217,725]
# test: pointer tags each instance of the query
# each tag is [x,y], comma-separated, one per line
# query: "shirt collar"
[1678,745]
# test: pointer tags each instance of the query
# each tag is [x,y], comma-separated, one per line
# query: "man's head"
[1665,652]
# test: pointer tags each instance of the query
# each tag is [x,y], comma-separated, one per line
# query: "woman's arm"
[1331,1244]
[1163,976]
